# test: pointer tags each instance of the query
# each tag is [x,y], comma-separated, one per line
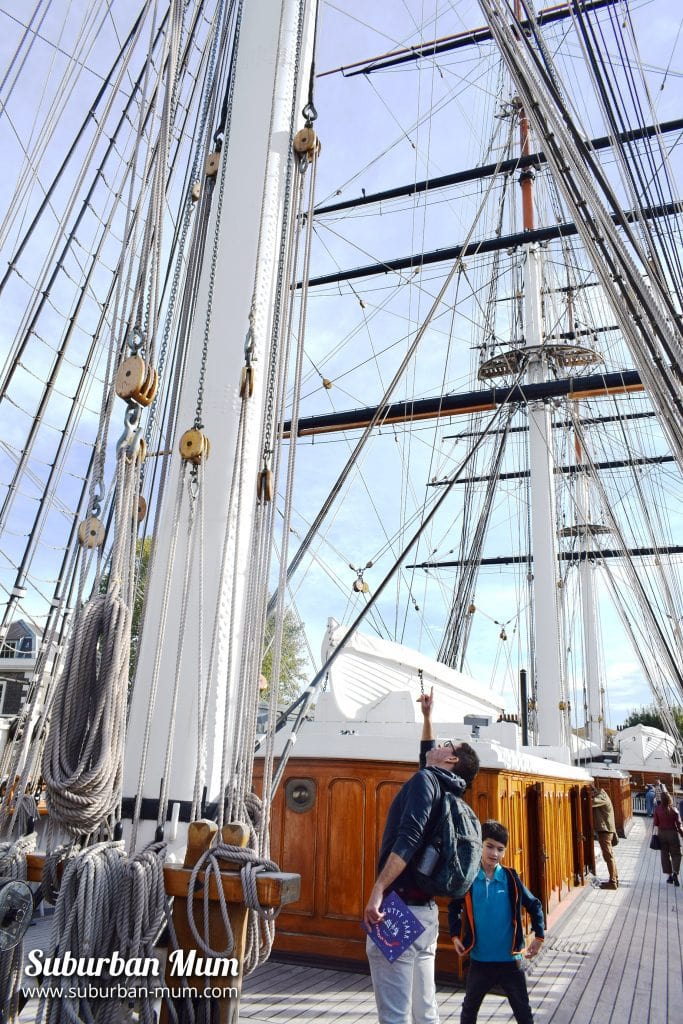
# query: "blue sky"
[375,133]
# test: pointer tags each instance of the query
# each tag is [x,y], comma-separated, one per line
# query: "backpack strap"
[435,812]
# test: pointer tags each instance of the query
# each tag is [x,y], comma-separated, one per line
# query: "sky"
[357,331]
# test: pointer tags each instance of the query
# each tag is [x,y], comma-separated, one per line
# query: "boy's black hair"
[494,830]
[468,761]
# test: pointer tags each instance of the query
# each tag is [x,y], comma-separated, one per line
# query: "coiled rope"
[107,902]
[259,929]
[84,922]
[83,757]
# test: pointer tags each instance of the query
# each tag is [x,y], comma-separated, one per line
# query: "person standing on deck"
[667,821]
[659,789]
[603,823]
[650,800]
[487,924]
[405,990]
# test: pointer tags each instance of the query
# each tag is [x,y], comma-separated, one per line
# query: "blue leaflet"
[398,930]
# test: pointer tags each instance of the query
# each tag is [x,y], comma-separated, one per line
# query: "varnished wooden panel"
[343,885]
[339,839]
[294,840]
[619,791]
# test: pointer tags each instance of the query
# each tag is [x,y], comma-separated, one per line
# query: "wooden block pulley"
[211,166]
[306,142]
[265,485]
[247,382]
[137,381]
[194,446]
[91,533]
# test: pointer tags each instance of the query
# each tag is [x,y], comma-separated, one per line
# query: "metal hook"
[136,339]
[131,431]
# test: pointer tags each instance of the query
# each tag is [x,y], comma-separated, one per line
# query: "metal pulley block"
[91,533]
[265,485]
[247,382]
[307,143]
[137,381]
[211,165]
[194,446]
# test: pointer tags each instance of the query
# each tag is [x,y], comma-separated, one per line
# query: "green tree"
[143,552]
[293,660]
[650,716]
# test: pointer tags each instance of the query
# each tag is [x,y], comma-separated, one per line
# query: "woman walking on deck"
[668,823]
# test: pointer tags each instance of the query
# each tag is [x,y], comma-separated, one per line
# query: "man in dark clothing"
[407,985]
[606,831]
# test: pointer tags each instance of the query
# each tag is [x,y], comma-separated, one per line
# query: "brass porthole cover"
[300,795]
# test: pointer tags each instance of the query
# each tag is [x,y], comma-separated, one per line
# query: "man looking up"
[405,990]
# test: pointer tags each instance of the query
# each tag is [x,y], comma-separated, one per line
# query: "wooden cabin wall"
[619,792]
[333,839]
[639,780]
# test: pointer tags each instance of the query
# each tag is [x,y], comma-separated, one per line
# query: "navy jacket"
[461,914]
[411,814]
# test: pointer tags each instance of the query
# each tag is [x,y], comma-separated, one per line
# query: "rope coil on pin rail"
[250,865]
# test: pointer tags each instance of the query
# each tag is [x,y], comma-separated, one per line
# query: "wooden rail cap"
[274,888]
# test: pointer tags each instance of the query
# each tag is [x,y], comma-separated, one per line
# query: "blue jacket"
[461,914]
[411,815]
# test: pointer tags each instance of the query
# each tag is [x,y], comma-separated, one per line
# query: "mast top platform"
[515,361]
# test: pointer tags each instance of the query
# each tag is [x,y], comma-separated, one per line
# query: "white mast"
[550,709]
[585,531]
[595,732]
[534,360]
[244,266]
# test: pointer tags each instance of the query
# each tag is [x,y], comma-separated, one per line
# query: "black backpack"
[448,863]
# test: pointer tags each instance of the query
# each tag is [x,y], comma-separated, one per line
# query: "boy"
[487,924]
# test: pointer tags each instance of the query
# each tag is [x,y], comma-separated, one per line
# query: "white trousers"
[405,991]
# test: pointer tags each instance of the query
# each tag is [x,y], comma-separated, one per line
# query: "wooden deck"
[609,958]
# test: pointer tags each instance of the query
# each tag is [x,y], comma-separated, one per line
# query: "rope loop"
[250,865]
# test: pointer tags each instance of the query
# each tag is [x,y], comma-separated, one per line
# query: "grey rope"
[250,866]
[50,879]
[83,756]
[84,923]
